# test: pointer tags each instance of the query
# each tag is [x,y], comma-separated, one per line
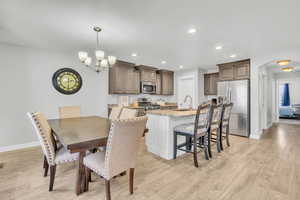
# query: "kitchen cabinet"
[226,72]
[124,78]
[211,83]
[242,70]
[235,70]
[167,82]
[158,83]
[148,73]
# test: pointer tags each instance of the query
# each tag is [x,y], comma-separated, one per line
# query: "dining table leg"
[80,183]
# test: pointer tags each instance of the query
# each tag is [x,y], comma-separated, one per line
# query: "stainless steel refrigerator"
[237,92]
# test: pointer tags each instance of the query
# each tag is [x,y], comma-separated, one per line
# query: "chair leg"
[175,146]
[131,176]
[218,140]
[195,153]
[209,144]
[87,178]
[107,189]
[227,136]
[221,139]
[46,166]
[90,175]
[52,176]
[205,144]
[188,141]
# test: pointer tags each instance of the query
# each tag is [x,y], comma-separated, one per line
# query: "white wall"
[25,79]
[198,77]
[270,91]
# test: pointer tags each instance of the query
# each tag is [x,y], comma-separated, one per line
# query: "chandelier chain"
[97,40]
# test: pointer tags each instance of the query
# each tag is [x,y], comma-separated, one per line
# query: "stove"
[147,104]
[152,107]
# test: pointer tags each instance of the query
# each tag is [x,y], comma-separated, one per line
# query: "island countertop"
[173,113]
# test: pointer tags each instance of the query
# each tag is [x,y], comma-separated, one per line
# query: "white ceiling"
[156,30]
[274,68]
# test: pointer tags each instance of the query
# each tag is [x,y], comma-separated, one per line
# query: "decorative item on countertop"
[102,63]
[67,81]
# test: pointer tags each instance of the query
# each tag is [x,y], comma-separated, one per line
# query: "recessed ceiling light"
[163,62]
[287,69]
[134,54]
[180,66]
[283,62]
[233,56]
[192,31]
[219,47]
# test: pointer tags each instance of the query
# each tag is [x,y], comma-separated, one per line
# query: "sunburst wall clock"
[67,81]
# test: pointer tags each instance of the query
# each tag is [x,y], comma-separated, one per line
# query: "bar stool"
[225,123]
[196,134]
[215,128]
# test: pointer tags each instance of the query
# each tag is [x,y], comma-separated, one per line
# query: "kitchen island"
[161,123]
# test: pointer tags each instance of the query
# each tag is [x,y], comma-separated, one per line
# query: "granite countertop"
[140,107]
[130,106]
[173,113]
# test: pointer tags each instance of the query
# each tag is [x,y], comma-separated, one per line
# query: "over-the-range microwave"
[148,87]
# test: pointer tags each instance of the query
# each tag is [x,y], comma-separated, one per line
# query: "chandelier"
[101,62]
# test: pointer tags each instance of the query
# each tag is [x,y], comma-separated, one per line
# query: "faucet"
[191,100]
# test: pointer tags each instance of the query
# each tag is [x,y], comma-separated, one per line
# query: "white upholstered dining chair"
[52,155]
[115,112]
[69,112]
[128,113]
[121,152]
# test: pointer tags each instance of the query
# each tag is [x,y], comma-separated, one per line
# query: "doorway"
[288,100]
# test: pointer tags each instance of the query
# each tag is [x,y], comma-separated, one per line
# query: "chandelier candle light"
[102,63]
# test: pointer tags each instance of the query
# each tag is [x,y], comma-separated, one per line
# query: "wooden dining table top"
[74,132]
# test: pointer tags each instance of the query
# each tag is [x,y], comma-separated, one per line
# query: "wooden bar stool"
[225,123]
[196,134]
[215,128]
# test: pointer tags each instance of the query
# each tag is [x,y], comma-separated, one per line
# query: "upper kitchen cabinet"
[234,70]
[167,82]
[242,70]
[226,72]
[158,82]
[211,83]
[124,78]
[148,73]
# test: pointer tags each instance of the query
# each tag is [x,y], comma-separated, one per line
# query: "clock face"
[67,81]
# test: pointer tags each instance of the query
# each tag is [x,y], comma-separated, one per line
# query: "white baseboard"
[255,136]
[259,133]
[19,146]
[270,125]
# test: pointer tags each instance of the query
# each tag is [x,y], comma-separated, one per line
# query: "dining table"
[79,135]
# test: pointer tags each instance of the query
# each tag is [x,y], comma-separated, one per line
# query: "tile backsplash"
[116,99]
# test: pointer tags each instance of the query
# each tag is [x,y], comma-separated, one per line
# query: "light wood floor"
[250,169]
